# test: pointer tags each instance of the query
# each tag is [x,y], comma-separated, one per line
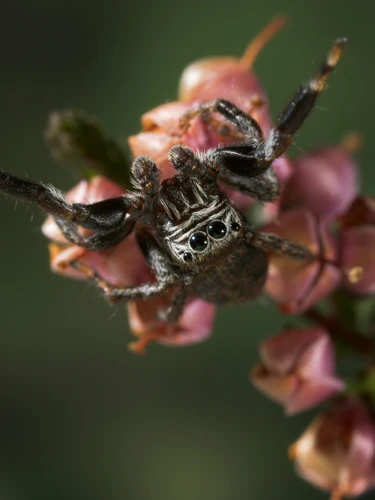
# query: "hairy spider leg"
[265,186]
[271,243]
[98,240]
[246,165]
[104,216]
[146,179]
[159,261]
[109,219]
[300,106]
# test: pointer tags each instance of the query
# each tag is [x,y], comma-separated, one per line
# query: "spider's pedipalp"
[146,175]
[182,157]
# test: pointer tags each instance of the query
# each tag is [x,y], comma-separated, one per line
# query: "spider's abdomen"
[239,277]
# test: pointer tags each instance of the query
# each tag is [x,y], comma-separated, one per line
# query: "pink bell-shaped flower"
[297,285]
[337,452]
[324,181]
[195,325]
[124,265]
[217,78]
[360,212]
[231,78]
[357,258]
[297,369]
[356,244]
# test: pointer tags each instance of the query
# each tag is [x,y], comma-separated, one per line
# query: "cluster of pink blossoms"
[321,209]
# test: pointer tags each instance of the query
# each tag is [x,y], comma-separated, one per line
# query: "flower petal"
[195,324]
[357,245]
[324,181]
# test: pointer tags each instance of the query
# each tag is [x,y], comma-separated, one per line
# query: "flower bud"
[297,369]
[337,452]
[297,285]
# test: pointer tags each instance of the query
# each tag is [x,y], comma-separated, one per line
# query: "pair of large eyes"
[216,230]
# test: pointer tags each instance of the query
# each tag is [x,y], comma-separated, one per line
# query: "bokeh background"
[80,416]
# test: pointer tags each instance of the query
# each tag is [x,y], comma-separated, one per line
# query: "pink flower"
[356,243]
[325,182]
[297,285]
[125,265]
[231,78]
[297,369]
[206,80]
[361,211]
[225,78]
[195,324]
[357,258]
[337,452]
[160,132]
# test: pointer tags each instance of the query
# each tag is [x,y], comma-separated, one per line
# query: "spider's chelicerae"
[192,237]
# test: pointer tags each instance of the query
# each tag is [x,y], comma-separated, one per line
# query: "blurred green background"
[80,416]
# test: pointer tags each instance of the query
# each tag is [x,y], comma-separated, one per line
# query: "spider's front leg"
[108,218]
[146,180]
[300,106]
[167,277]
[102,215]
[237,162]
[118,294]
[246,165]
[172,313]
[99,240]
[110,221]
[243,123]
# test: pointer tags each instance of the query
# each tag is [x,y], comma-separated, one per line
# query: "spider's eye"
[198,241]
[188,257]
[235,226]
[217,230]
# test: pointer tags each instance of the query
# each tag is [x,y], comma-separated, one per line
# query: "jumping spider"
[193,239]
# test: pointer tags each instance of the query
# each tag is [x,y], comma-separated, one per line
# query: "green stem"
[365,346]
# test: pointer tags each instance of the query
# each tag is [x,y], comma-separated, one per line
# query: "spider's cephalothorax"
[193,239]
[198,224]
